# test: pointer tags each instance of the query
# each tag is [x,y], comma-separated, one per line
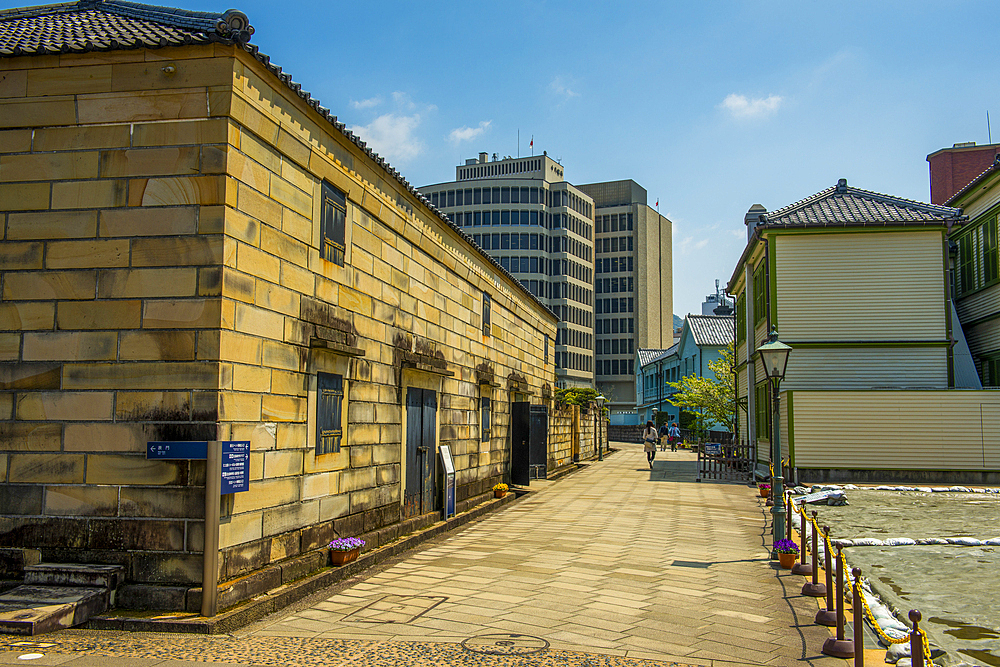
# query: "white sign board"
[449,480]
[449,465]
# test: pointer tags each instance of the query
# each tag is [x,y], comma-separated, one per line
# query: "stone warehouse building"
[194,249]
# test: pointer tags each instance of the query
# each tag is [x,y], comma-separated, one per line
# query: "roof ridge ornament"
[235,25]
[842,185]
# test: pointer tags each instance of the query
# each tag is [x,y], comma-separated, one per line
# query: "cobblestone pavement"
[615,564]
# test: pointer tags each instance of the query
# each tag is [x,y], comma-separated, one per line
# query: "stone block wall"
[161,280]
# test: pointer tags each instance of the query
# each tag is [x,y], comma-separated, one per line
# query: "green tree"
[713,398]
[582,396]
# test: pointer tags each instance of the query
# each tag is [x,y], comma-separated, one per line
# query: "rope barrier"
[872,621]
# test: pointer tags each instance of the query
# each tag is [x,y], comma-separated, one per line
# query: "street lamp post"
[597,426]
[774,355]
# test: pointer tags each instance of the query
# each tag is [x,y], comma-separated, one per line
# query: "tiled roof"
[649,355]
[710,330]
[94,25]
[843,205]
[109,25]
[976,181]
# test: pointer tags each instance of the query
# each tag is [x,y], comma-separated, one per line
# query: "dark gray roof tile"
[649,355]
[711,330]
[843,204]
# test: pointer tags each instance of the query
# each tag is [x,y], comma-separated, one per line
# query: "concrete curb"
[262,605]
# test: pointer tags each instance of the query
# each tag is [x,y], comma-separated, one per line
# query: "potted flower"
[764,489]
[500,490]
[345,549]
[787,552]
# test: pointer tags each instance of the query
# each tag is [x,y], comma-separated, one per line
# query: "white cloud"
[561,89]
[403,101]
[460,134]
[366,104]
[392,136]
[742,107]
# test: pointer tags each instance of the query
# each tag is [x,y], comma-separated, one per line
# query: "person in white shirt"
[649,442]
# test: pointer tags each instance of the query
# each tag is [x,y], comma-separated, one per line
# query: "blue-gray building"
[702,339]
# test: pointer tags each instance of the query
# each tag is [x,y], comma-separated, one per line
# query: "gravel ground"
[956,588]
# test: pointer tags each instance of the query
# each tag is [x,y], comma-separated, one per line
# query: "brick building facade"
[194,249]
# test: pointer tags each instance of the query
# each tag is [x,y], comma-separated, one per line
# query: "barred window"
[329,412]
[333,220]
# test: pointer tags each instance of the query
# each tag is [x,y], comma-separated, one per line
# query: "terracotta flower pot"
[342,557]
[787,560]
[499,494]
[764,493]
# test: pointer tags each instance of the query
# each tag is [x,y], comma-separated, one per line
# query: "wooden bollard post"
[828,616]
[803,567]
[814,588]
[839,647]
[917,658]
[859,618]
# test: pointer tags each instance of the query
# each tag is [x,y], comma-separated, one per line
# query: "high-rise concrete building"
[541,229]
[597,254]
[633,287]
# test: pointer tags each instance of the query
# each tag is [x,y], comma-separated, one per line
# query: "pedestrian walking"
[664,437]
[649,442]
[674,434]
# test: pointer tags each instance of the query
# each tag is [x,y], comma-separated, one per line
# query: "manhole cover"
[505,644]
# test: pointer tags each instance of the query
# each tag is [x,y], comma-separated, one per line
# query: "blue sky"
[711,106]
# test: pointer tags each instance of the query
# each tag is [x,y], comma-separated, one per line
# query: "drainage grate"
[505,644]
[395,609]
[690,563]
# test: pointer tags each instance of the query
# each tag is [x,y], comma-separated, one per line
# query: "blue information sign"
[177,450]
[235,459]
[235,466]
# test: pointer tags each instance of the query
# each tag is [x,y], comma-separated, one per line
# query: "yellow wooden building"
[879,382]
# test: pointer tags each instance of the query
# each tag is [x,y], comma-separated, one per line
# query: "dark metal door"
[420,494]
[538,443]
[520,435]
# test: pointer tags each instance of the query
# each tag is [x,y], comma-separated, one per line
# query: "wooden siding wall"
[873,286]
[867,368]
[903,430]
[979,305]
[984,337]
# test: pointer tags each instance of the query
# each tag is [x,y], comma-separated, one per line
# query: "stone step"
[33,610]
[75,574]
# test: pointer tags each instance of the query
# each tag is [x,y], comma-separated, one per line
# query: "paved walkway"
[615,564]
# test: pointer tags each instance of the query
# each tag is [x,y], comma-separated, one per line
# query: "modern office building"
[633,288]
[540,228]
[597,254]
